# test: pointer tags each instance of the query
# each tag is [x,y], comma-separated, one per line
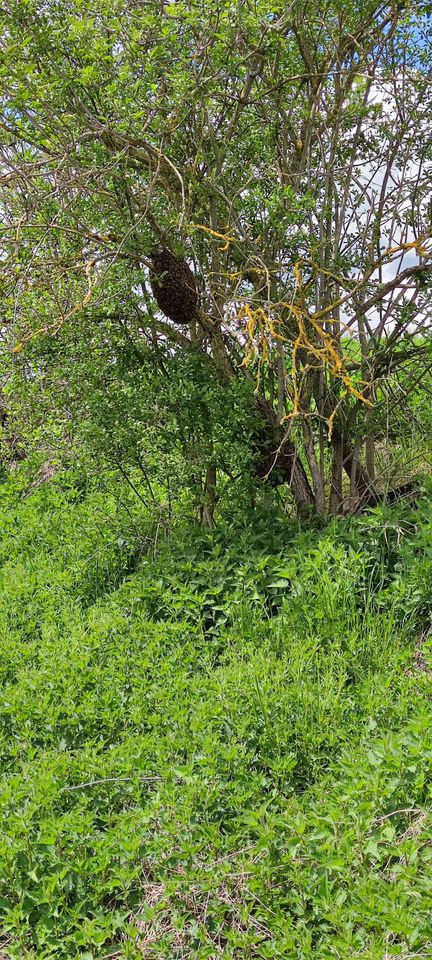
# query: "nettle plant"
[229,203]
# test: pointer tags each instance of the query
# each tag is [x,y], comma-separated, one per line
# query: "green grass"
[212,745]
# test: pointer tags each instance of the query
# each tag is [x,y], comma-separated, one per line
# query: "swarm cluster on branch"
[174,286]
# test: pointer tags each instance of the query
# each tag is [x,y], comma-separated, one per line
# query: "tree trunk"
[317,479]
[369,393]
[278,459]
[335,499]
[370,457]
[359,477]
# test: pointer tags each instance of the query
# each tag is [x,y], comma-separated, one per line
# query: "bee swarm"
[174,287]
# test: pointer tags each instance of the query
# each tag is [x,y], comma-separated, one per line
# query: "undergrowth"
[213,745]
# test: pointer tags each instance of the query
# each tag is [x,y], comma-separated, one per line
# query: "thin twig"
[395,813]
[95,783]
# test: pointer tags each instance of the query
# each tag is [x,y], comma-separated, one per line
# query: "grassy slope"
[223,753]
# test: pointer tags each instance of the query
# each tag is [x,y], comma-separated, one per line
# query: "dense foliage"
[215,510]
[216,239]
[213,745]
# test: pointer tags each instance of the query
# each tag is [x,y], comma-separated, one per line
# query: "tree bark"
[335,499]
[359,477]
[278,459]
[317,479]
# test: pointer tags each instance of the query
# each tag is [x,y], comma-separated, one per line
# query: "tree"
[284,155]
